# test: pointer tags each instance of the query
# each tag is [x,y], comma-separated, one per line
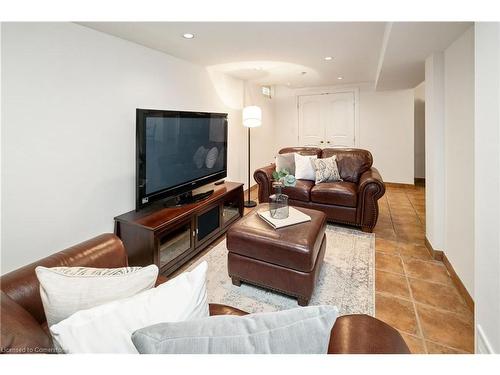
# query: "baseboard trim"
[435,254]
[399,185]
[441,256]
[419,181]
[252,188]
[458,283]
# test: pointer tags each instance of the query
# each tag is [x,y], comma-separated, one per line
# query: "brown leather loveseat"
[24,327]
[352,201]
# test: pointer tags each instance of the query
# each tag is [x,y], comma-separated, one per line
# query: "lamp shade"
[252,116]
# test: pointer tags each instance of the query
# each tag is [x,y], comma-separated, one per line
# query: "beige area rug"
[346,280]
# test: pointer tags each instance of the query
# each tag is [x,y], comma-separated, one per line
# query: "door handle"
[321,142]
[327,141]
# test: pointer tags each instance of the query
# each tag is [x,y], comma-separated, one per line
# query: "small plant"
[284,177]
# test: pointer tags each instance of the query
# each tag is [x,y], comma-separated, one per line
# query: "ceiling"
[390,55]
[408,44]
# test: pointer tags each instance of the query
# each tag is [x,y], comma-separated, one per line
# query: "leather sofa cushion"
[301,191]
[352,162]
[338,214]
[294,247]
[337,193]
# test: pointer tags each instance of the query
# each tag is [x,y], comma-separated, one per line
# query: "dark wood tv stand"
[170,236]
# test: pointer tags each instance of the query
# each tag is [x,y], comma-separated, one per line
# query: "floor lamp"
[252,118]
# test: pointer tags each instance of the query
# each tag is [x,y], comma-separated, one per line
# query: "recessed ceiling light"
[328,58]
[340,78]
[188,36]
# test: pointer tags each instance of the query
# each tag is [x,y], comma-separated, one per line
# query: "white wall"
[285,117]
[263,147]
[434,150]
[385,128]
[69,96]
[459,157]
[419,130]
[487,187]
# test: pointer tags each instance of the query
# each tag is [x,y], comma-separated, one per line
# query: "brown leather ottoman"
[287,260]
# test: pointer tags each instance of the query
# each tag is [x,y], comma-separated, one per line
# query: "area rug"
[346,279]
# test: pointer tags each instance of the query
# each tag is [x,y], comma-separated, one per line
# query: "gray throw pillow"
[304,330]
[285,161]
[327,170]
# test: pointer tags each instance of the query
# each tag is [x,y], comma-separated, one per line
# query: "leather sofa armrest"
[160,280]
[371,176]
[20,333]
[217,309]
[363,334]
[264,178]
[370,189]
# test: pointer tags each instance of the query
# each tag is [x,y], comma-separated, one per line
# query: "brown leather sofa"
[24,327]
[352,201]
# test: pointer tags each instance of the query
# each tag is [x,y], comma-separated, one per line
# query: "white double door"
[327,120]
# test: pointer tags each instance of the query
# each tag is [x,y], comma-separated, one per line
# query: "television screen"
[177,149]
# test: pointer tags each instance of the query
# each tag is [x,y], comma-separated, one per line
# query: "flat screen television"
[177,152]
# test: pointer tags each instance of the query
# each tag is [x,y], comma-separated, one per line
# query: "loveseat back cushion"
[302,151]
[22,286]
[301,191]
[352,162]
[336,193]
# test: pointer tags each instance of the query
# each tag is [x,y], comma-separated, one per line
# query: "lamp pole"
[252,118]
[248,202]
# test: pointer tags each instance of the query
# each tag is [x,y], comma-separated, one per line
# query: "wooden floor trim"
[459,284]
[441,256]
[435,254]
[399,185]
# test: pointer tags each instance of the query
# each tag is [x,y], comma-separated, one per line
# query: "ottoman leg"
[303,301]
[236,281]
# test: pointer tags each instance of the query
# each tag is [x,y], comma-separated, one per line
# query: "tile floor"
[414,293]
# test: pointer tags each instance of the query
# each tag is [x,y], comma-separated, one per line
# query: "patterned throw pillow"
[327,170]
[66,290]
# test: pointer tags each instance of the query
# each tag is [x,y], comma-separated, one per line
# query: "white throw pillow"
[66,290]
[108,328]
[304,167]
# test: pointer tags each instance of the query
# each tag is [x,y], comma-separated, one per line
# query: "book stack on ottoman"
[286,260]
